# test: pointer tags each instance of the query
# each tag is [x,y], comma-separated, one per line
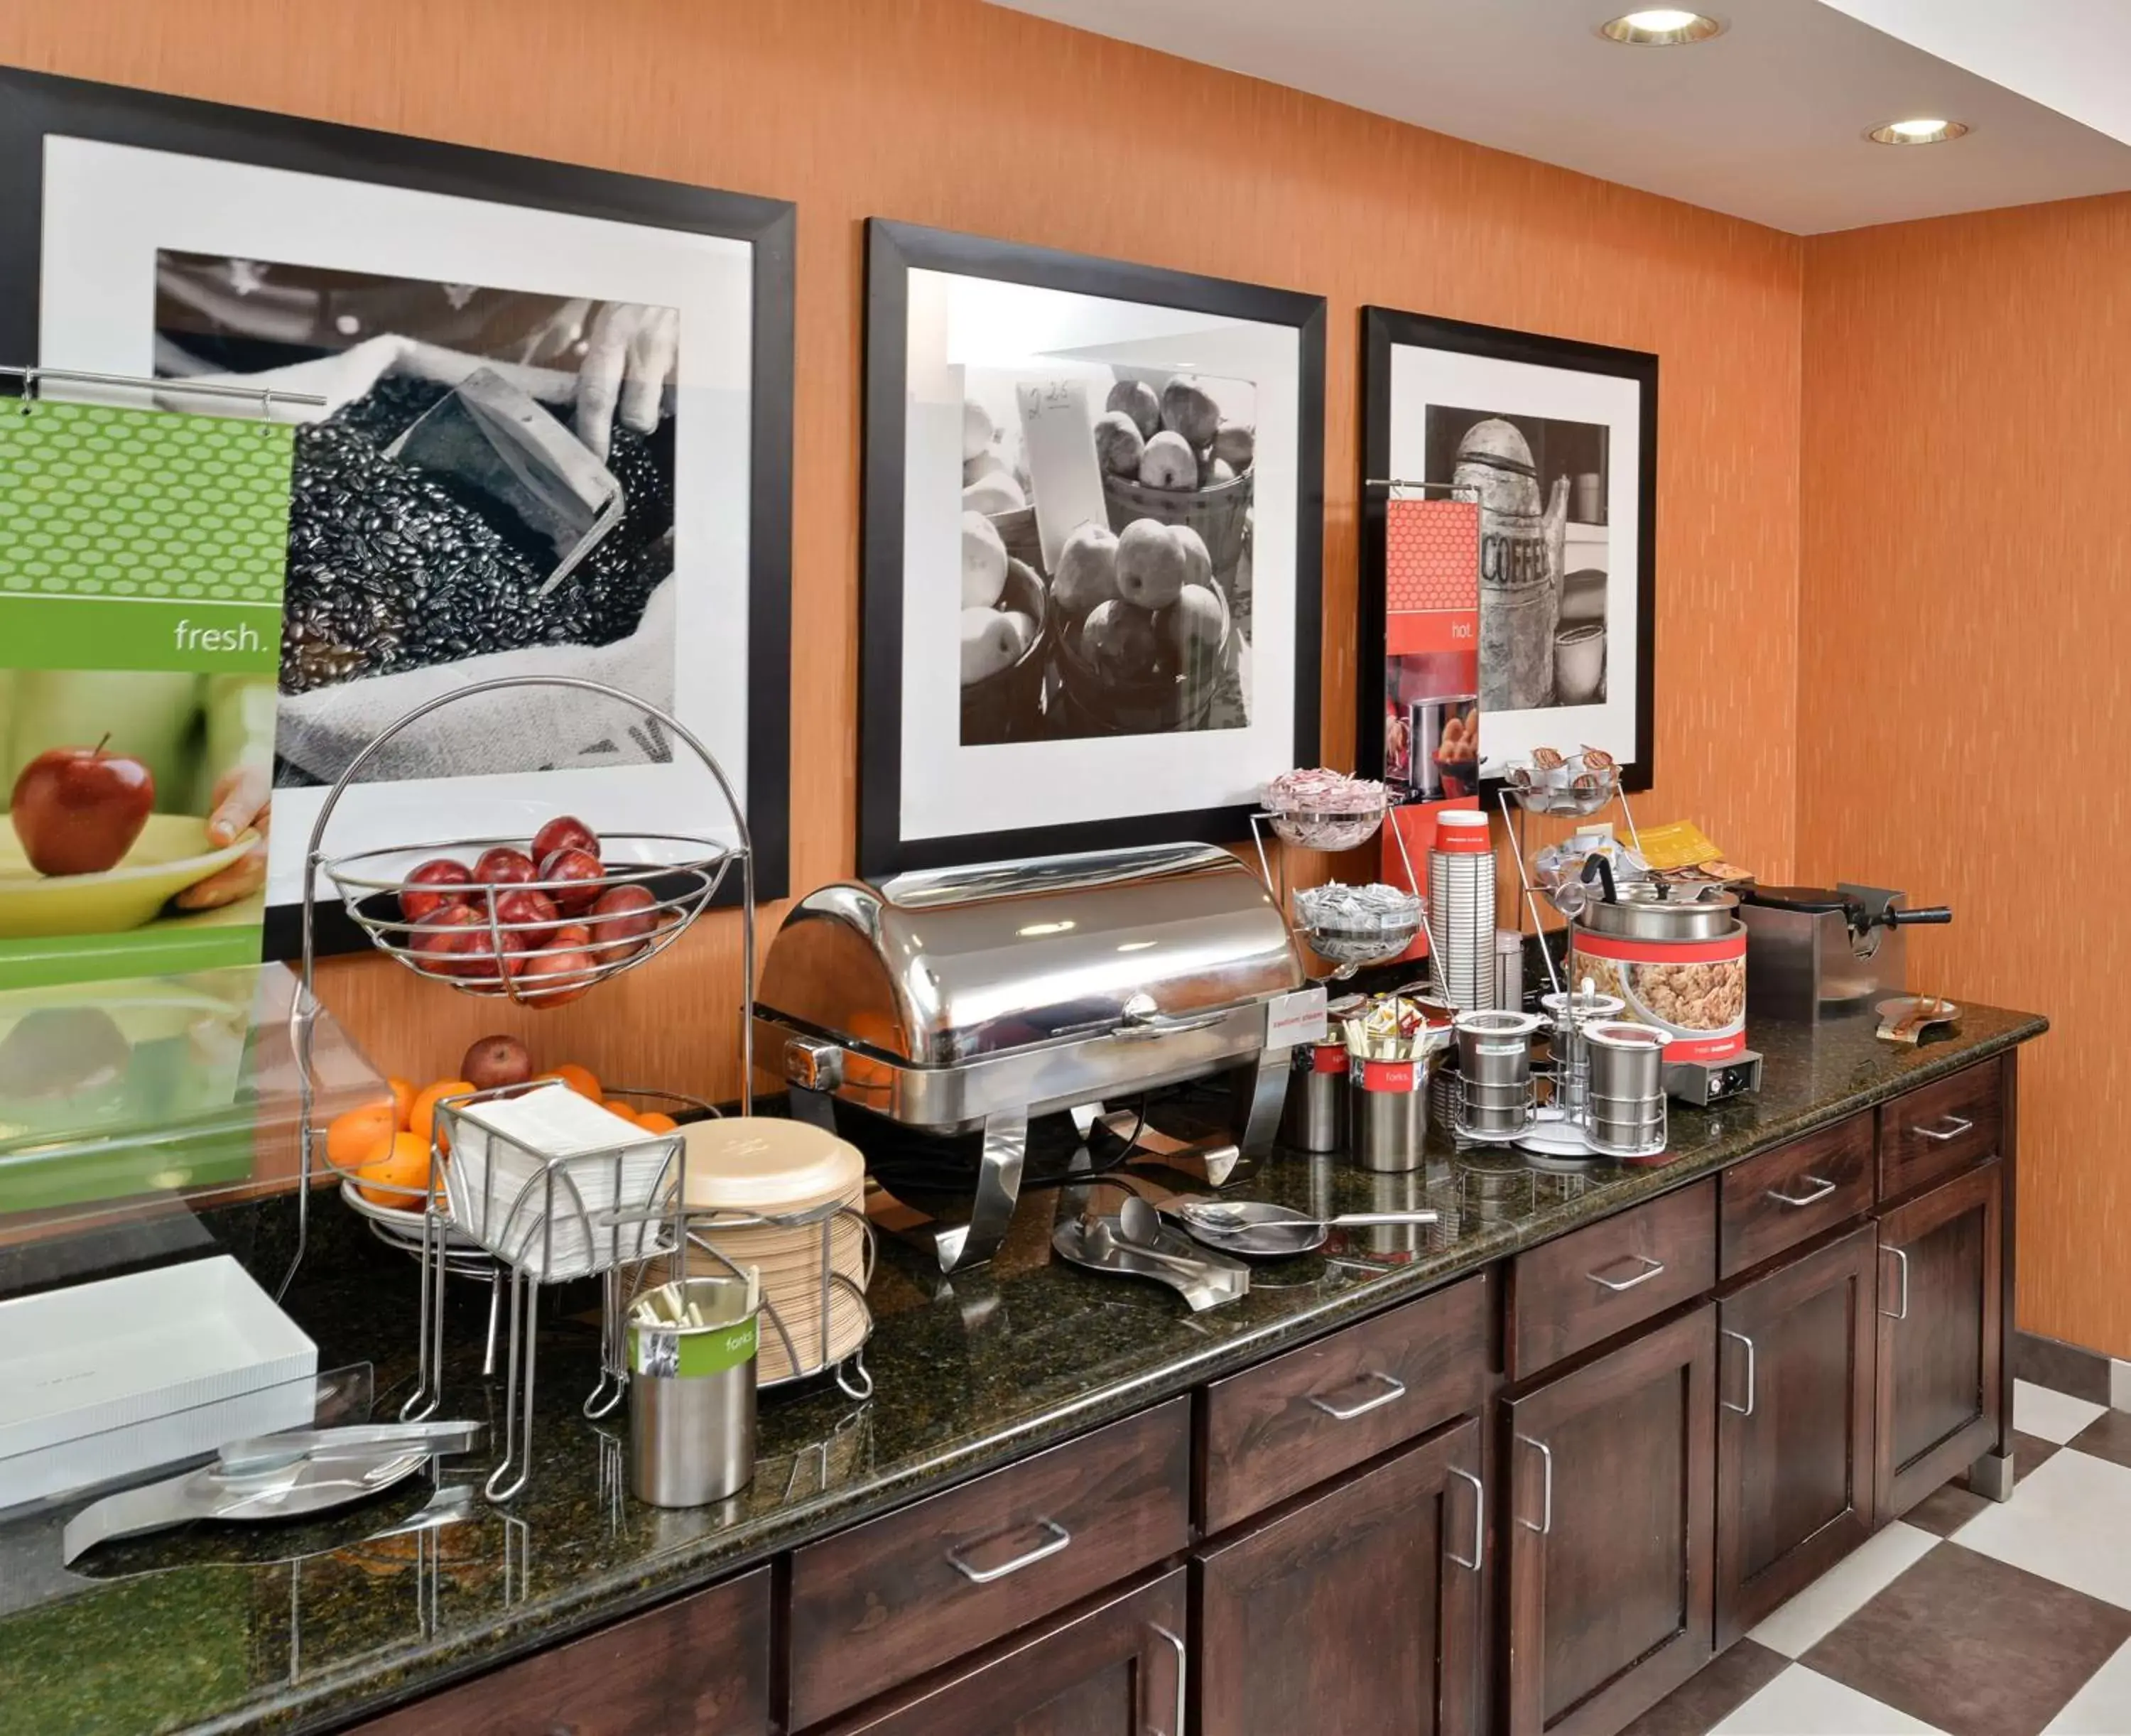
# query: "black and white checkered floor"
[1967,1618]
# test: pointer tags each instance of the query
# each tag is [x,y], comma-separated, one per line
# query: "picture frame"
[537,272]
[1124,708]
[1567,432]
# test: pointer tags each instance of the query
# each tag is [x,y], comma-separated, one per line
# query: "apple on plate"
[78,810]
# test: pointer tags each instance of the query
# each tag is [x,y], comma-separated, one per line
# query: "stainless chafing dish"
[963,1002]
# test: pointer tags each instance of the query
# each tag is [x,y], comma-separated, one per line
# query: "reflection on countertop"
[304,1626]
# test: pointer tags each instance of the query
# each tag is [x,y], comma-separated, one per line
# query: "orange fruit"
[402,1102]
[652,1121]
[580,1080]
[614,1106]
[397,1173]
[352,1137]
[422,1119]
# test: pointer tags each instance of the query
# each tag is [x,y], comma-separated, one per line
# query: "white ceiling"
[1765,122]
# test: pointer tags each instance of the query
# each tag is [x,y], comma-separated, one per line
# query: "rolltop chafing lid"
[943,967]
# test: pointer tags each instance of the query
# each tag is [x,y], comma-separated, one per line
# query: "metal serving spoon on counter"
[1257,1227]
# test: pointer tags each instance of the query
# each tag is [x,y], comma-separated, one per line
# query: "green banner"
[142,633]
[141,561]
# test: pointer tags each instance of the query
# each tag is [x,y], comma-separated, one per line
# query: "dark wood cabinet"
[1941,1311]
[878,1604]
[700,1664]
[1582,1289]
[1357,1609]
[1117,1669]
[1611,1525]
[1795,1427]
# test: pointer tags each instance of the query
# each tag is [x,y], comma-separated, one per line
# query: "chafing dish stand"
[958,1003]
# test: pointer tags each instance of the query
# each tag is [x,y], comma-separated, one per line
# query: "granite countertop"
[309,1627]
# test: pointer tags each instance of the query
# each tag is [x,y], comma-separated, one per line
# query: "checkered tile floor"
[1968,1617]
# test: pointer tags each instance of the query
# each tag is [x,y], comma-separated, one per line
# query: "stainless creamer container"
[926,1019]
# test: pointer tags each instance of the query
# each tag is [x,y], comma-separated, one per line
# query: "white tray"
[107,1379]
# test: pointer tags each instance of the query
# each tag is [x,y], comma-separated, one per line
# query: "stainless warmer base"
[1258,1091]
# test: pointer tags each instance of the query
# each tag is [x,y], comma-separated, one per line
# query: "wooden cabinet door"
[1794,1466]
[1357,1609]
[700,1664]
[1117,1669]
[1941,1339]
[1610,1510]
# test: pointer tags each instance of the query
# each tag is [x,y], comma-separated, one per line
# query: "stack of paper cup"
[1461,908]
[742,1169]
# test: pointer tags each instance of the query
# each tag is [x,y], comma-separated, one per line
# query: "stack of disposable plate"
[810,1186]
[1461,908]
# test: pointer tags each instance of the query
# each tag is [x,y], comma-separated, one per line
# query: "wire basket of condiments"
[1573,786]
[1358,925]
[1318,809]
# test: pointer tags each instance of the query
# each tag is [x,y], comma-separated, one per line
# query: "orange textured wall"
[1964,707]
[954,113]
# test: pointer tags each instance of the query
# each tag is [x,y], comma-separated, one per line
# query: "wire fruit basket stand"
[527,1218]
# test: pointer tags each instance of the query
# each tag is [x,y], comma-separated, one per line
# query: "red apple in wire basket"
[565,832]
[553,977]
[431,887]
[574,877]
[504,866]
[622,920]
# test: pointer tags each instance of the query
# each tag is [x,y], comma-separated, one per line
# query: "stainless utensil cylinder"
[1390,1128]
[1314,1116]
[1624,1068]
[692,1395]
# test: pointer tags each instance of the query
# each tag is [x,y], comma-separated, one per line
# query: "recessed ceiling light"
[1923,130]
[1660,27]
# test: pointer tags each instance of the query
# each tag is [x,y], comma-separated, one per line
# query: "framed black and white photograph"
[1094,500]
[555,442]
[1557,442]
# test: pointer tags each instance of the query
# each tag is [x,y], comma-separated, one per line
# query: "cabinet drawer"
[1274,1430]
[1568,1294]
[889,1599]
[1928,1136]
[1787,1196]
[700,1664]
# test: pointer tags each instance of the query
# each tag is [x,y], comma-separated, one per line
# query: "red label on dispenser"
[1328,1058]
[1693,991]
[1383,1076]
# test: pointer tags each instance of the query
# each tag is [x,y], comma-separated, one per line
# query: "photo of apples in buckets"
[1143,626]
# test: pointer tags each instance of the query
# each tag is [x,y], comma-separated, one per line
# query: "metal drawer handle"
[1821,1189]
[1177,1645]
[1902,1312]
[1059,1538]
[1651,1268]
[1393,1391]
[1479,1520]
[1950,1126]
[1546,1500]
[1747,1409]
